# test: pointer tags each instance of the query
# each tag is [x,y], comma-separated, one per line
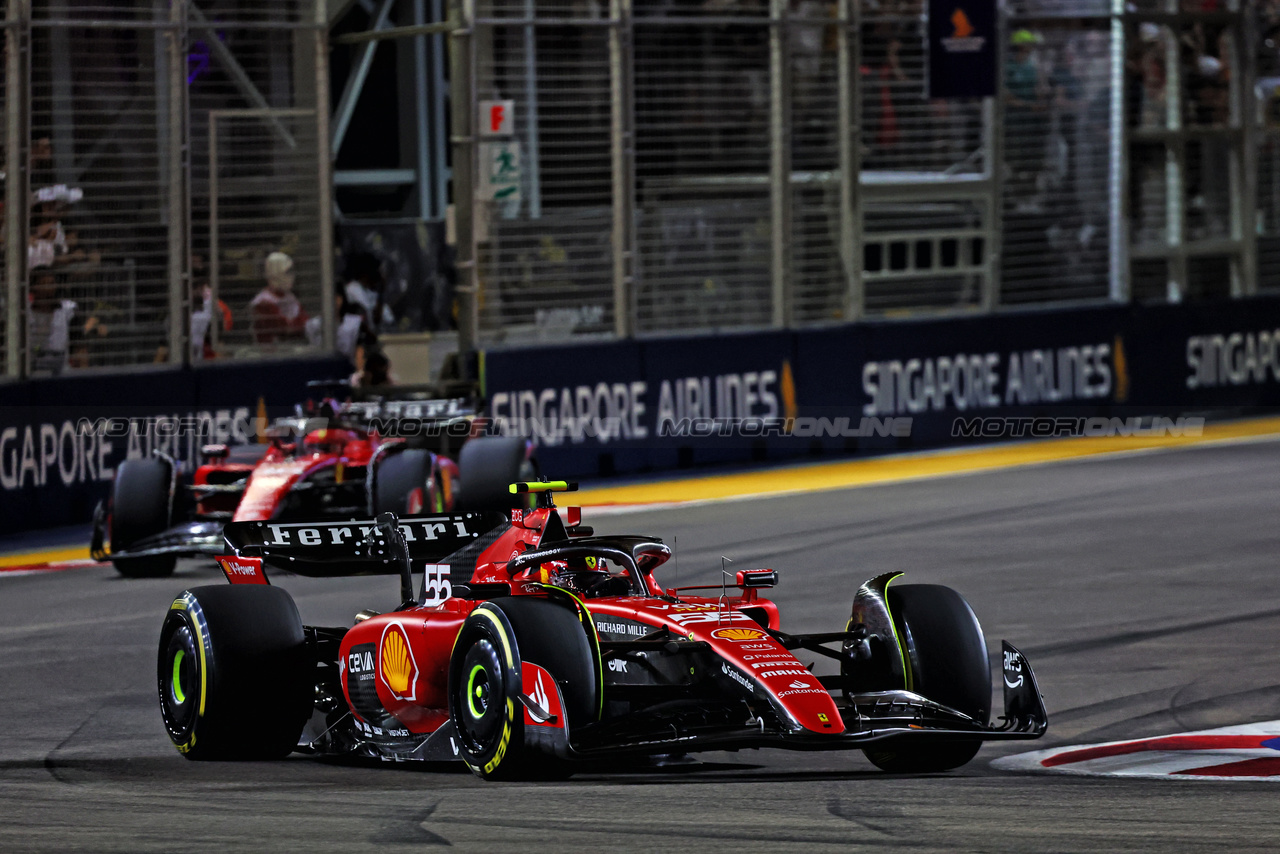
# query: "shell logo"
[396,665]
[739,634]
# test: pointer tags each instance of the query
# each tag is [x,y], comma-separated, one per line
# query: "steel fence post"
[1118,171]
[533,182]
[462,110]
[993,122]
[176,202]
[1175,169]
[1244,171]
[779,165]
[620,145]
[324,165]
[15,108]
[993,125]
[215,225]
[849,137]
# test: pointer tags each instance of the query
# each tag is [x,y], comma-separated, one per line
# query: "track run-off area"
[1140,579]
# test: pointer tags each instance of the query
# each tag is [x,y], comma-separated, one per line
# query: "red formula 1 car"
[337,466]
[533,645]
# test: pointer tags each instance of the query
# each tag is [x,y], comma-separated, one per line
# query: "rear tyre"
[140,509]
[485,684]
[487,467]
[235,674]
[948,659]
[402,484]
[484,694]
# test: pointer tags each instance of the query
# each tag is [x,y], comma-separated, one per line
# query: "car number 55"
[436,587]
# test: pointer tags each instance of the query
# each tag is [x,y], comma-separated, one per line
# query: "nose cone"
[778,674]
[808,702]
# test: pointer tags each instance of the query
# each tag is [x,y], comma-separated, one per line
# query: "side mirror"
[215,452]
[749,578]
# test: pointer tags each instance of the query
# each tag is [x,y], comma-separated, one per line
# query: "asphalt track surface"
[1145,591]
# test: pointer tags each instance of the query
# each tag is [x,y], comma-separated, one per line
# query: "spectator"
[1068,102]
[1267,85]
[49,325]
[87,336]
[353,327]
[1025,119]
[373,368]
[203,317]
[48,242]
[366,287]
[884,78]
[275,314]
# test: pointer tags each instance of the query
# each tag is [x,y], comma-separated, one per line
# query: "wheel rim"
[179,674]
[175,681]
[481,709]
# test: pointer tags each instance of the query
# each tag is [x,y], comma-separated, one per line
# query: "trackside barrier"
[54,469]
[872,387]
[664,404]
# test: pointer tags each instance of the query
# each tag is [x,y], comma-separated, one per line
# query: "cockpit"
[329,441]
[595,567]
[590,576]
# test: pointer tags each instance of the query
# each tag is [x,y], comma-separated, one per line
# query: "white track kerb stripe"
[1250,752]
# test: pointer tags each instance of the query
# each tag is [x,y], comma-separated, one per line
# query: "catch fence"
[629,167]
[738,164]
[157,152]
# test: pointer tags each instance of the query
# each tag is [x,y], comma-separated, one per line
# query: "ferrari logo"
[960,21]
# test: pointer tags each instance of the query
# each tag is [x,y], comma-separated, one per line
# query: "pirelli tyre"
[485,684]
[947,655]
[403,484]
[140,505]
[235,673]
[487,466]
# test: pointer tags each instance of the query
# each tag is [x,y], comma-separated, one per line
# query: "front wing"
[187,539]
[869,717]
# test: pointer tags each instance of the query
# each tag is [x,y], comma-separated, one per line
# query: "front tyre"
[403,484]
[947,655]
[140,509]
[235,673]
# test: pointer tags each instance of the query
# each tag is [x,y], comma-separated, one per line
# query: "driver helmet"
[576,574]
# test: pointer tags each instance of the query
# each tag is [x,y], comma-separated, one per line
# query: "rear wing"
[440,409]
[356,547]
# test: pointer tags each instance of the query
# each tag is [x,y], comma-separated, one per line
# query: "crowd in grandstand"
[1057,85]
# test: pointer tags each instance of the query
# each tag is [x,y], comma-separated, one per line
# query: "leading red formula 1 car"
[533,645]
